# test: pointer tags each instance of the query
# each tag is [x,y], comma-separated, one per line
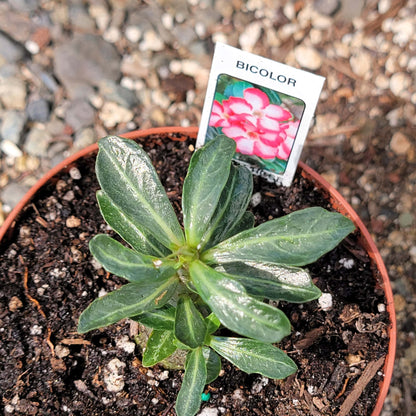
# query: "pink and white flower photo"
[260,122]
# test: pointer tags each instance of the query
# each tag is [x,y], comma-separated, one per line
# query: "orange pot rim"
[338,201]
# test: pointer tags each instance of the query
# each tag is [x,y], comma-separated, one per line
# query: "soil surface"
[47,277]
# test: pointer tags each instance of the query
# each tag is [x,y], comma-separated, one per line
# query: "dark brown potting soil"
[48,278]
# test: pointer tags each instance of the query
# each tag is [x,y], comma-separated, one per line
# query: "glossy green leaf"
[237,310]
[130,300]
[297,239]
[213,364]
[231,206]
[254,356]
[140,239]
[188,401]
[190,327]
[213,323]
[207,174]
[127,176]
[273,281]
[127,263]
[162,318]
[246,222]
[159,346]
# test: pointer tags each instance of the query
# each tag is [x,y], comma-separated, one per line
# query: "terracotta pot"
[338,202]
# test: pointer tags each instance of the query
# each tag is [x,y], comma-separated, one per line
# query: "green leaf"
[254,356]
[295,240]
[213,364]
[207,174]
[231,206]
[213,323]
[127,176]
[131,299]
[159,346]
[162,318]
[273,96]
[236,310]
[127,263]
[140,239]
[246,222]
[273,281]
[190,327]
[189,396]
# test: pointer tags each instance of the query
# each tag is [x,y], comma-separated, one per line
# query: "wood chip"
[75,341]
[310,338]
[368,374]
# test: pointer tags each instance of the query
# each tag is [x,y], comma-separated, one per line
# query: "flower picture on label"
[262,121]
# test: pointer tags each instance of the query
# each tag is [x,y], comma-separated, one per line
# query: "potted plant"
[193,339]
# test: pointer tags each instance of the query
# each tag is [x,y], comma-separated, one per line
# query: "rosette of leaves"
[217,271]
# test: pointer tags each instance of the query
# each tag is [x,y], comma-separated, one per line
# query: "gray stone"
[12,125]
[47,79]
[13,93]
[406,219]
[350,9]
[184,34]
[37,142]
[112,91]
[84,62]
[26,6]
[10,50]
[38,110]
[327,7]
[84,138]
[8,71]
[79,18]
[57,152]
[12,193]
[79,114]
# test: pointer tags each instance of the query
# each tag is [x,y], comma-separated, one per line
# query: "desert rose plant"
[217,272]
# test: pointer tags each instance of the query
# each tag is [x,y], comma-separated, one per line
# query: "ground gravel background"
[72,72]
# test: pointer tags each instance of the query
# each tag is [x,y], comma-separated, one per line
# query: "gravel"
[72,72]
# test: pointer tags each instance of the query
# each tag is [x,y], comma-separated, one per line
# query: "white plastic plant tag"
[265,106]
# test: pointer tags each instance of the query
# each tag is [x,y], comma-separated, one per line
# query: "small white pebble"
[73,222]
[209,411]
[61,351]
[133,33]
[102,293]
[325,301]
[164,375]
[75,174]
[36,330]
[259,384]
[113,380]
[381,307]
[32,47]
[347,263]
[256,199]
[238,395]
[106,400]
[155,401]
[125,344]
